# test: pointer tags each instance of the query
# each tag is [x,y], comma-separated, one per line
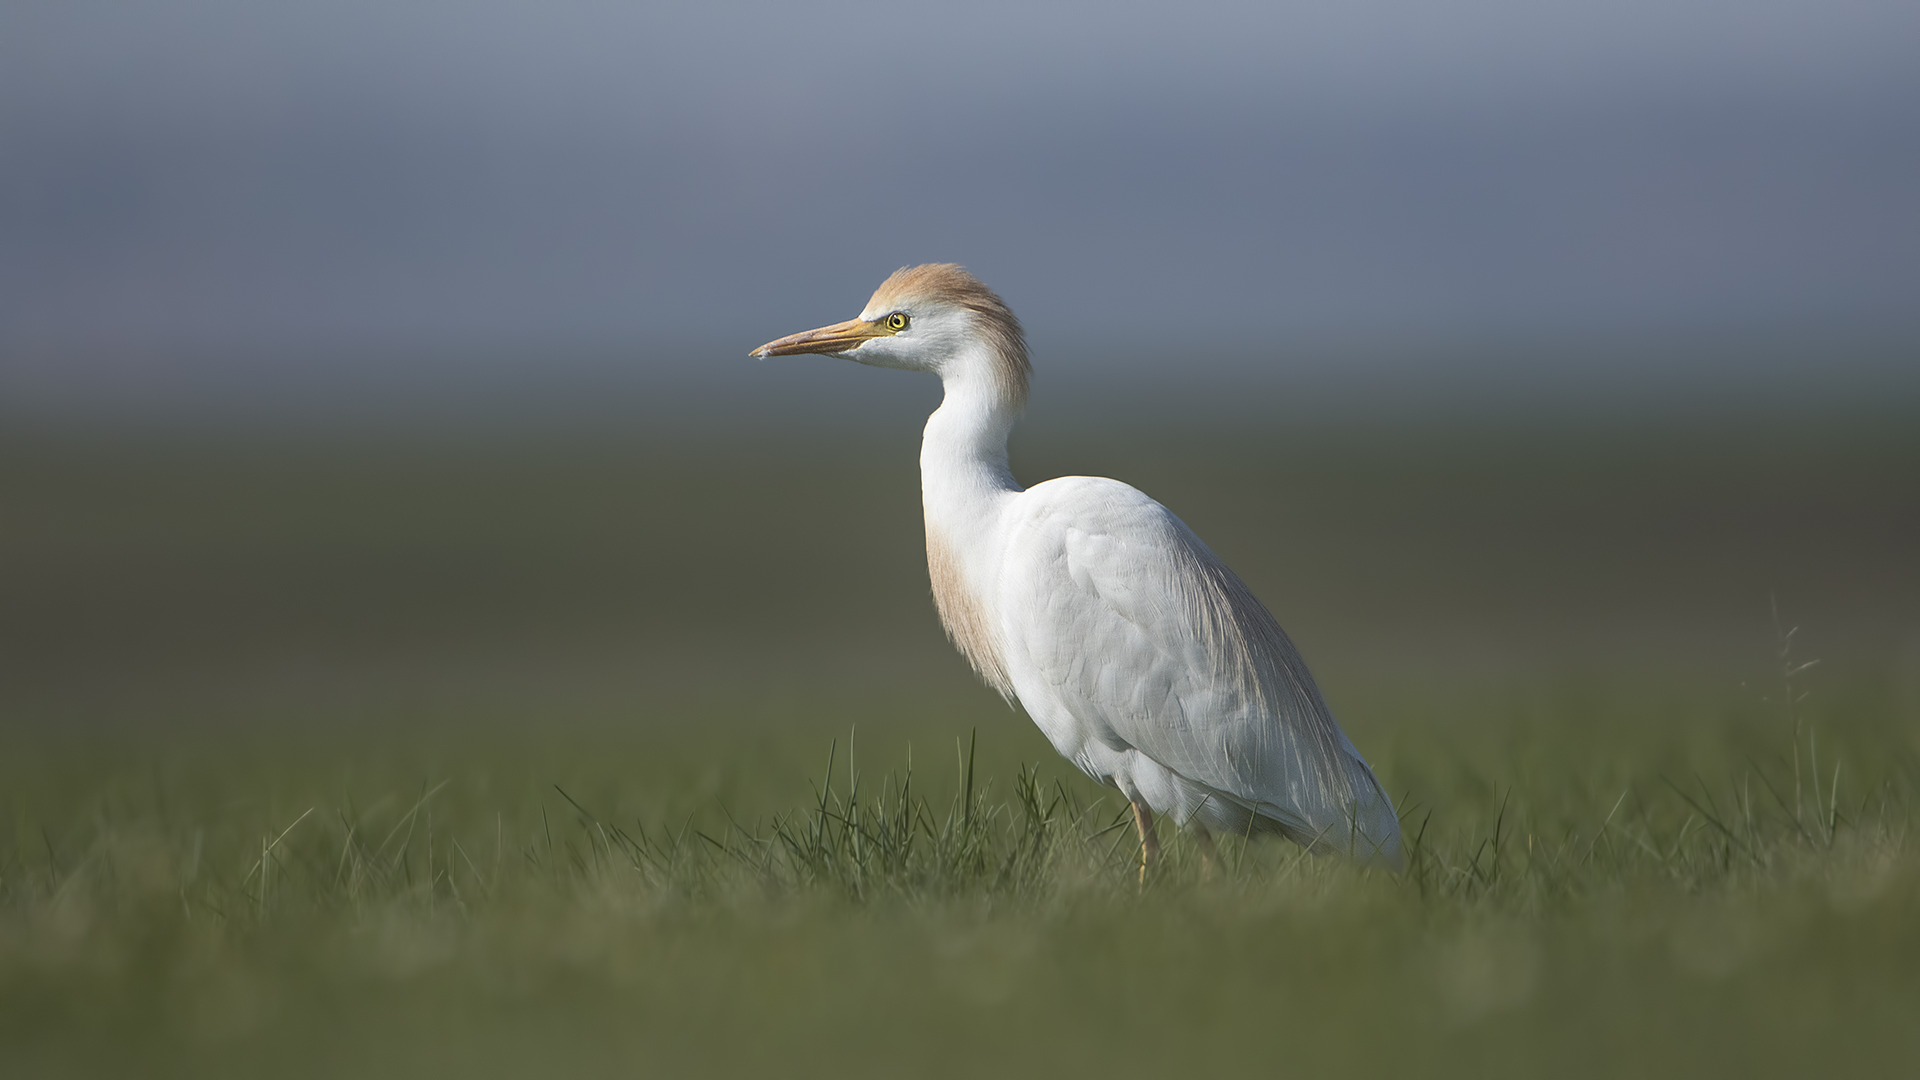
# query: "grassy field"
[551,759]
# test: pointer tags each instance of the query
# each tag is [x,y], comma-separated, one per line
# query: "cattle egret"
[1144,660]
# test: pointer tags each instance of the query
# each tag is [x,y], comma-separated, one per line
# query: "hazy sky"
[216,176]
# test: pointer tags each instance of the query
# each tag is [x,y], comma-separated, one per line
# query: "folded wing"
[1152,643]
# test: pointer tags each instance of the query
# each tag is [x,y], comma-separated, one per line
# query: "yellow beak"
[838,338]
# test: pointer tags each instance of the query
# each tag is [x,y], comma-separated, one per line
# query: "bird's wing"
[1149,640]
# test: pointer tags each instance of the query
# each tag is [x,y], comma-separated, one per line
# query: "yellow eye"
[897,321]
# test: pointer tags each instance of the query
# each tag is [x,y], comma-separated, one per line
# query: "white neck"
[965,488]
[963,453]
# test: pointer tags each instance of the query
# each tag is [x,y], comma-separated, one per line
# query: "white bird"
[1144,660]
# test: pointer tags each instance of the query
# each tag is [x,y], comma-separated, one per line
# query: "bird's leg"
[1209,855]
[1149,843]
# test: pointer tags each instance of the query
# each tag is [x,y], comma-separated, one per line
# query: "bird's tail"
[1373,827]
[1364,827]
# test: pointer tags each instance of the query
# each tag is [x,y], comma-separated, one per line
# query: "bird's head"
[936,318]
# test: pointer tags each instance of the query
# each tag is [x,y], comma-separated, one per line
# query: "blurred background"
[385,363]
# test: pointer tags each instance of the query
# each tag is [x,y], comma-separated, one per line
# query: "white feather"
[1150,664]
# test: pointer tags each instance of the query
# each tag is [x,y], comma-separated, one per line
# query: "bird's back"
[1126,637]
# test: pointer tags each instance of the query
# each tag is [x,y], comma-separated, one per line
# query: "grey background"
[416,203]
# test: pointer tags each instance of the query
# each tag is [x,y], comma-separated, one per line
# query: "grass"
[246,904]
[455,761]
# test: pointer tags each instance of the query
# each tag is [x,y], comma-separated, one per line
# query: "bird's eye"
[897,321]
